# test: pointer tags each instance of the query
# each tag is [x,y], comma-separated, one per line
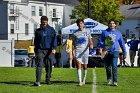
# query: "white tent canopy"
[94,26]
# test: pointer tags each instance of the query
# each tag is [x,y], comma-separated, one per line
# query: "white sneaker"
[83,82]
[71,67]
[109,82]
[80,84]
[115,84]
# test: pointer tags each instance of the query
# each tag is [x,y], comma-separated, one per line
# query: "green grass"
[20,80]
[128,81]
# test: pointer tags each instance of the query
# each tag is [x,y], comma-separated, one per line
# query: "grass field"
[20,80]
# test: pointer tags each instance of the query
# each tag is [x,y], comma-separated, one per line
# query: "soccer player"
[82,41]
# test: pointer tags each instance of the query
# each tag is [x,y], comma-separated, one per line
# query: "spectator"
[58,55]
[133,44]
[69,50]
[124,38]
[138,61]
[120,57]
[45,44]
[110,40]
[31,55]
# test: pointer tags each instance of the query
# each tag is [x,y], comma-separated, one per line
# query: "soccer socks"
[79,75]
[85,74]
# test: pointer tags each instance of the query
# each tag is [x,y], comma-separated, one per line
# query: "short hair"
[79,20]
[44,18]
[112,20]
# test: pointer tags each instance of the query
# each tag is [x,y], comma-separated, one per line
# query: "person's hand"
[67,50]
[91,46]
[100,50]
[53,51]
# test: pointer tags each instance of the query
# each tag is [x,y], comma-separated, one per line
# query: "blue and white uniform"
[81,45]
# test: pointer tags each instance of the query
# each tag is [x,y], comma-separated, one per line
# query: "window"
[40,11]
[54,12]
[11,9]
[33,11]
[12,29]
[26,29]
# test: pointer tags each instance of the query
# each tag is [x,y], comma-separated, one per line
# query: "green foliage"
[100,10]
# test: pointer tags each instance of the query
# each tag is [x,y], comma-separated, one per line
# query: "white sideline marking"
[94,82]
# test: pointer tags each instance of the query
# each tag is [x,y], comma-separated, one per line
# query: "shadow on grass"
[31,82]
[18,82]
[67,82]
[100,83]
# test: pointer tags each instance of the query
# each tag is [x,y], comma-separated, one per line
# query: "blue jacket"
[133,44]
[45,38]
[117,40]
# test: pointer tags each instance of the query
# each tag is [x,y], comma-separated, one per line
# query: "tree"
[101,10]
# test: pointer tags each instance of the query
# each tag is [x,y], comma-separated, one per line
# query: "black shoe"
[48,83]
[119,65]
[132,65]
[36,84]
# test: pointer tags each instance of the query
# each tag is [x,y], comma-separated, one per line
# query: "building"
[131,24]
[20,18]
[59,12]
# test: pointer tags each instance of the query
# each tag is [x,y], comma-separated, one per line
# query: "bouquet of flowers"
[108,41]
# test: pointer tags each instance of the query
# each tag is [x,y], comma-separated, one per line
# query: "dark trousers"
[42,59]
[31,62]
[58,59]
[132,57]
[111,65]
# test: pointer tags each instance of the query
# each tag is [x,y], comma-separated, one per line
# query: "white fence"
[6,53]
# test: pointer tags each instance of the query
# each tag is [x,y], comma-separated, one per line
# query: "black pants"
[42,59]
[58,59]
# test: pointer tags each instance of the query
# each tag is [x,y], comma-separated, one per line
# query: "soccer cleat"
[36,84]
[109,82]
[115,84]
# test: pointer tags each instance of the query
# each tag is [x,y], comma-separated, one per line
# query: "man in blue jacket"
[110,40]
[133,44]
[45,43]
